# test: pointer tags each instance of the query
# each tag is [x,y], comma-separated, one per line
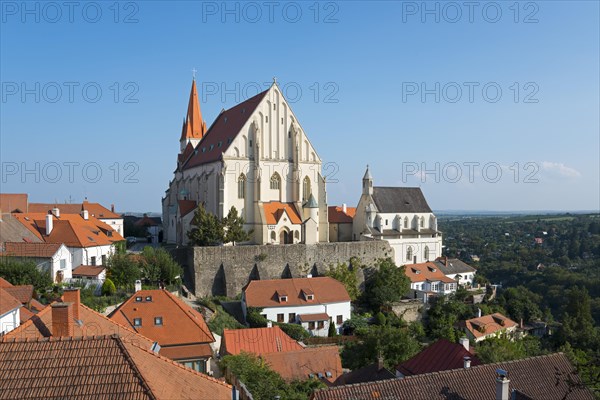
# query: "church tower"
[194,126]
[367,183]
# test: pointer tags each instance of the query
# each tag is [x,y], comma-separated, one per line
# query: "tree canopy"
[387,284]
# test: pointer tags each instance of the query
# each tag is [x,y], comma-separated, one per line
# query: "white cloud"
[559,169]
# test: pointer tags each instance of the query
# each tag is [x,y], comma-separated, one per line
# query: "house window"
[158,321]
[422,222]
[321,325]
[339,319]
[409,253]
[198,365]
[291,317]
[241,186]
[148,298]
[310,297]
[93,261]
[279,317]
[63,264]
[138,298]
[311,326]
[282,299]
[406,222]
[434,287]
[426,253]
[306,188]
[275,181]
[137,322]
[104,258]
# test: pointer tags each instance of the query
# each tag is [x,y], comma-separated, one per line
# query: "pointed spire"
[367,174]
[194,127]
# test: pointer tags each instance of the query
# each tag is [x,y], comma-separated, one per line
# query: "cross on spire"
[274,79]
[194,73]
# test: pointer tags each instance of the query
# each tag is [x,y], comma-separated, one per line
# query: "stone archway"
[285,236]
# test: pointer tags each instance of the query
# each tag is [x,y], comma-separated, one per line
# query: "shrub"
[108,288]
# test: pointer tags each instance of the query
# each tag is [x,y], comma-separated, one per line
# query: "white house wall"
[10,320]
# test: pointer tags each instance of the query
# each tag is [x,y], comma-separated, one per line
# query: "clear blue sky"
[360,67]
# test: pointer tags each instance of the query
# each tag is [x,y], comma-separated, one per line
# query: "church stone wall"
[225,270]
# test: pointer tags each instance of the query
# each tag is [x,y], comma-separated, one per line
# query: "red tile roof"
[261,293]
[313,317]
[336,215]
[274,210]
[186,206]
[88,270]
[4,283]
[257,341]
[194,127]
[101,367]
[440,356]
[181,324]
[488,324]
[223,130]
[23,293]
[96,210]
[13,202]
[299,364]
[92,323]
[427,271]
[71,229]
[8,302]
[24,249]
[189,352]
[549,377]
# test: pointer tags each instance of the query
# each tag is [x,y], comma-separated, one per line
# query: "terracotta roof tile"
[300,364]
[181,324]
[24,249]
[261,293]
[88,270]
[313,317]
[13,202]
[336,215]
[23,293]
[488,324]
[4,283]
[369,373]
[274,210]
[257,341]
[8,302]
[427,271]
[94,209]
[101,367]
[186,206]
[547,377]
[187,352]
[440,356]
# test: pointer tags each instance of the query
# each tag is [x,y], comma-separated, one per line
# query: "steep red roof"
[186,206]
[181,324]
[24,249]
[222,132]
[440,356]
[313,317]
[23,293]
[95,209]
[427,271]
[7,302]
[100,367]
[257,341]
[274,210]
[193,127]
[89,270]
[488,324]
[301,364]
[336,215]
[262,293]
[13,202]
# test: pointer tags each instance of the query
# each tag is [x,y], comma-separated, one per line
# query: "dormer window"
[138,298]
[148,298]
[310,297]
[137,322]
[158,321]
[282,299]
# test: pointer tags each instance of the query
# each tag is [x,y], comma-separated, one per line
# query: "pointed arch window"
[409,253]
[241,186]
[422,222]
[306,190]
[275,181]
[426,253]
[405,222]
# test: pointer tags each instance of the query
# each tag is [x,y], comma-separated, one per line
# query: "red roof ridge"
[114,322]
[210,378]
[180,305]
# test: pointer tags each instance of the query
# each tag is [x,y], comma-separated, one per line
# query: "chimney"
[344,208]
[112,208]
[478,312]
[464,341]
[380,364]
[309,276]
[56,212]
[269,324]
[49,223]
[85,214]
[62,319]
[502,392]
[466,362]
[72,295]
[138,285]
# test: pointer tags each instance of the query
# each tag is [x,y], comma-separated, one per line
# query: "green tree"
[395,344]
[108,288]
[502,349]
[207,229]
[387,285]
[347,275]
[24,273]
[332,332]
[234,227]
[123,270]
[159,265]
[521,303]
